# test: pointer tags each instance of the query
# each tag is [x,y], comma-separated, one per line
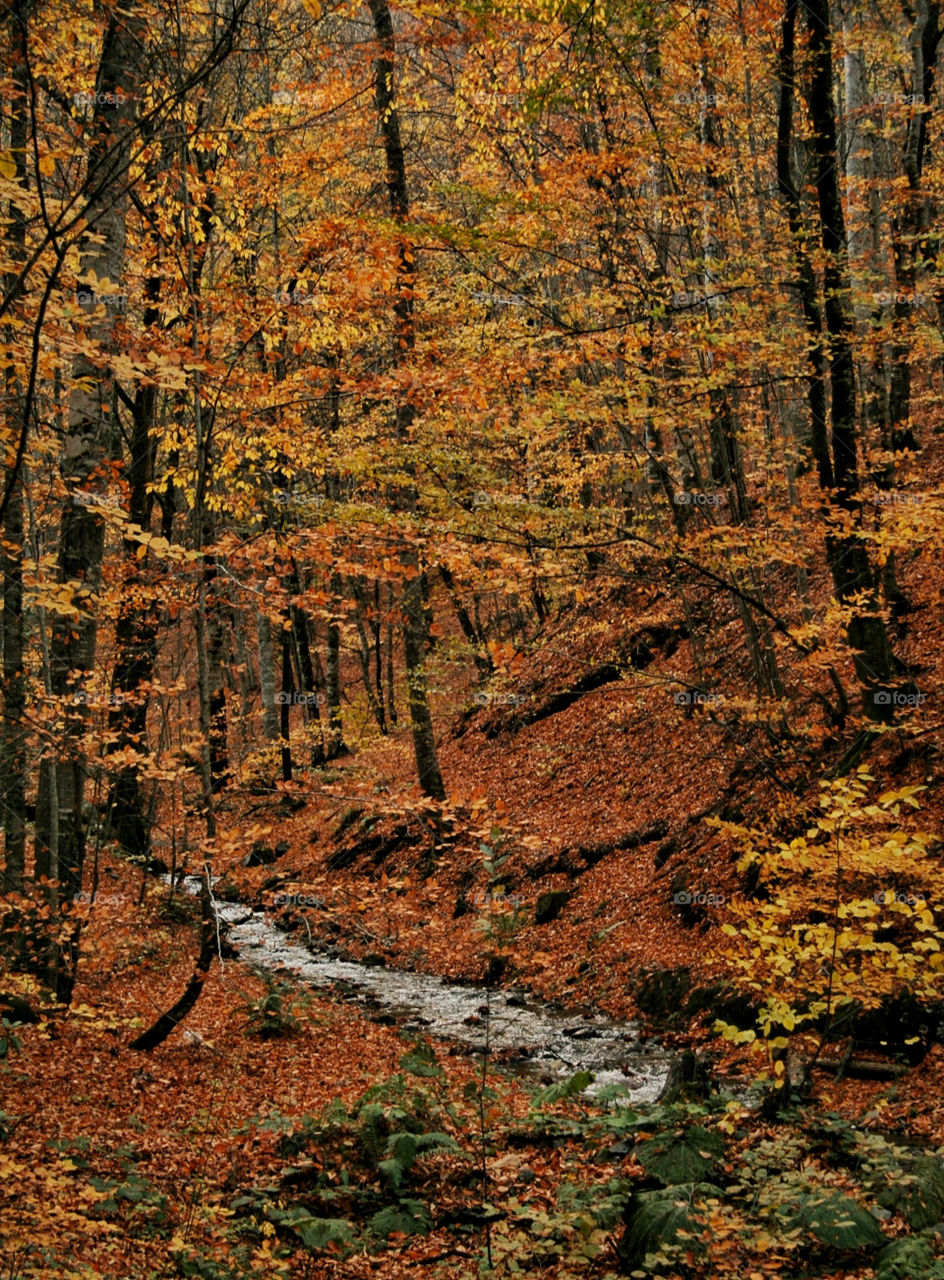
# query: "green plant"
[367,1180]
[274,1015]
[8,1039]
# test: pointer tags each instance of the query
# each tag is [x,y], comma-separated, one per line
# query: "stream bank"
[528,1035]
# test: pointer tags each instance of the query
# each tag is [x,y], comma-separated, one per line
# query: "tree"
[839,919]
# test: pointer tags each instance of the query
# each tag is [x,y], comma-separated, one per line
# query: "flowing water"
[534,1037]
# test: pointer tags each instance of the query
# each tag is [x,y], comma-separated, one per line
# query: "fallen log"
[859,1068]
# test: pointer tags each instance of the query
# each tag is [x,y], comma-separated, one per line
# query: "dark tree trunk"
[311,685]
[270,714]
[285,695]
[415,630]
[335,742]
[846,554]
[135,627]
[910,224]
[90,430]
[13,743]
[168,1022]
[480,652]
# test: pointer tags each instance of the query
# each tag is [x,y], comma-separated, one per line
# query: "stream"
[533,1038]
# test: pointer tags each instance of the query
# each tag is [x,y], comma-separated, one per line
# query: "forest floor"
[129,1164]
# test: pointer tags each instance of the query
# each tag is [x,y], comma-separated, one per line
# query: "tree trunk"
[837,460]
[135,626]
[270,714]
[168,1022]
[415,631]
[726,468]
[285,701]
[335,742]
[13,742]
[91,427]
[308,678]
[910,223]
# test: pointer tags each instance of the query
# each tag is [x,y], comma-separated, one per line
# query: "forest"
[472,644]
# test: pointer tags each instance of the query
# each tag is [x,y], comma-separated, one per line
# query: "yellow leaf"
[312,7]
[47,166]
[7,164]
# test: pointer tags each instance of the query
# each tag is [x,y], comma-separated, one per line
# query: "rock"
[260,855]
[226,891]
[374,960]
[516,1000]
[660,994]
[582,1033]
[157,867]
[16,1009]
[689,1080]
[550,904]
[618,1150]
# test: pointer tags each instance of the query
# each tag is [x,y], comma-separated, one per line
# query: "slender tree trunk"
[168,1022]
[135,627]
[852,573]
[911,221]
[335,740]
[389,665]
[91,426]
[480,654]
[726,468]
[285,697]
[362,622]
[270,714]
[415,632]
[13,742]
[312,686]
[215,643]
